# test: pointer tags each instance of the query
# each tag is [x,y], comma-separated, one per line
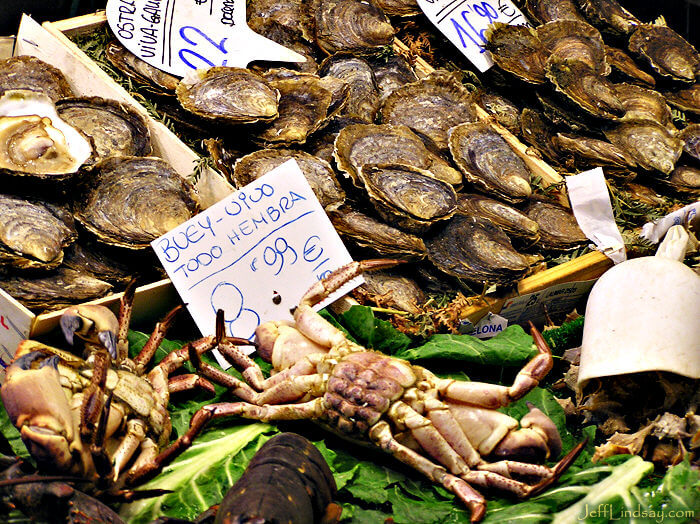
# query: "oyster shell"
[651,144]
[503,110]
[488,162]
[291,40]
[548,10]
[130,201]
[304,105]
[292,15]
[474,249]
[393,290]
[229,94]
[399,7]
[685,179]
[622,63]
[115,128]
[390,73]
[557,225]
[29,72]
[594,152]
[358,145]
[685,99]
[516,49]
[349,25]
[641,103]
[363,96]
[559,110]
[512,221]
[584,87]
[430,106]
[56,290]
[609,15]
[690,136]
[577,40]
[666,52]
[89,259]
[155,80]
[381,238]
[408,197]
[322,142]
[537,133]
[32,236]
[35,141]
[318,172]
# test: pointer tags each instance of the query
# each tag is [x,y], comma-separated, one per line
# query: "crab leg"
[149,348]
[125,309]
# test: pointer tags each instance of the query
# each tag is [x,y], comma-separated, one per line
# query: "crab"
[449,430]
[104,417]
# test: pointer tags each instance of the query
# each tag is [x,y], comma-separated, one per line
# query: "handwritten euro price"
[279,254]
[473,20]
[206,47]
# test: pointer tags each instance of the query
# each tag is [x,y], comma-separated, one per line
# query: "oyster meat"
[29,72]
[476,250]
[381,238]
[488,162]
[394,290]
[609,15]
[548,10]
[558,228]
[155,80]
[359,145]
[516,49]
[408,197]
[229,94]
[666,52]
[430,106]
[512,221]
[35,141]
[570,39]
[32,235]
[350,25]
[58,289]
[130,201]
[115,129]
[363,96]
[649,143]
[318,172]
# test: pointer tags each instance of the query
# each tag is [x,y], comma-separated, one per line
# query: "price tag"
[254,253]
[490,326]
[179,36]
[464,22]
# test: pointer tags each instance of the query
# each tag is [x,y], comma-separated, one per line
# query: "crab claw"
[536,440]
[92,323]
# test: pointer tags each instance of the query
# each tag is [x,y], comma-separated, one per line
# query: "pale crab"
[104,417]
[448,430]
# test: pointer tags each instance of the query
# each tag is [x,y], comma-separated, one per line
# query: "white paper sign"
[253,254]
[490,326]
[590,202]
[464,22]
[179,36]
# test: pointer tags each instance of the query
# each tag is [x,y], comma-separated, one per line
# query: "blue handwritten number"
[221,46]
[485,10]
[273,255]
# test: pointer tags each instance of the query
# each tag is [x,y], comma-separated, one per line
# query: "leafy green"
[511,347]
[373,332]
[566,336]
[12,435]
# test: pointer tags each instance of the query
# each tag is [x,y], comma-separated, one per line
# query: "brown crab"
[449,430]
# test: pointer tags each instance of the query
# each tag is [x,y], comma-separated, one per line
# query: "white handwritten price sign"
[253,254]
[464,22]
[179,36]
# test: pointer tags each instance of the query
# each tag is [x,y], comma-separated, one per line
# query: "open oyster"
[58,289]
[130,201]
[576,40]
[35,141]
[609,15]
[408,197]
[557,225]
[363,96]
[359,145]
[229,94]
[595,152]
[349,25]
[381,238]
[516,49]
[512,221]
[685,99]
[666,51]
[29,72]
[32,236]
[430,106]
[318,172]
[623,64]
[649,143]
[154,79]
[488,162]
[115,128]
[476,250]
[584,87]
[548,10]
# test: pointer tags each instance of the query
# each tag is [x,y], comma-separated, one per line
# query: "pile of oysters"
[82,195]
